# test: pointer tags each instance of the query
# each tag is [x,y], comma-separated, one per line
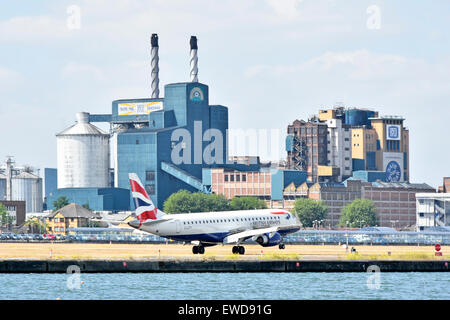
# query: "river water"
[229,286]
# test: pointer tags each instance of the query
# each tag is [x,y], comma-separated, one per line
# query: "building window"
[150,175]
[421,214]
[232,177]
[226,178]
[238,178]
[150,188]
[244,178]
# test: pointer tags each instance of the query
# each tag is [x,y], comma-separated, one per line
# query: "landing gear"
[198,249]
[238,249]
[281,246]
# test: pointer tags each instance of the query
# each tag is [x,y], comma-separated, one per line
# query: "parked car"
[49,236]
[37,237]
[59,236]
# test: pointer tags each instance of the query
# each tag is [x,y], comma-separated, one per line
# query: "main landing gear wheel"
[238,249]
[198,249]
[281,246]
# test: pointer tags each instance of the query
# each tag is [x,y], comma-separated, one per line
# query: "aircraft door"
[177,226]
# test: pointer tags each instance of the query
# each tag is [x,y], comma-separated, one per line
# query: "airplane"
[265,226]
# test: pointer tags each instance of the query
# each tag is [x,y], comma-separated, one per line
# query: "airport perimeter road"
[116,251]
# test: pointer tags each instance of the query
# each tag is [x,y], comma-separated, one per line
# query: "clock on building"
[393,172]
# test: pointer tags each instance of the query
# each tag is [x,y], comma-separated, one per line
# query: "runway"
[117,251]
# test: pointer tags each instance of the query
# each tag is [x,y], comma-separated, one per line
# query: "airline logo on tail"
[145,209]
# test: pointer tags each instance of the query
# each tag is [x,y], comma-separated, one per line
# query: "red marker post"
[438,252]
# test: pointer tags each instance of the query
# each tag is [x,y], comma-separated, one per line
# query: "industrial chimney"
[155,66]
[194,59]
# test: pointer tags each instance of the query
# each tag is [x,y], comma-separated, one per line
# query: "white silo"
[27,187]
[82,155]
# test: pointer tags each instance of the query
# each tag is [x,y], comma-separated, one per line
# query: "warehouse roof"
[407,185]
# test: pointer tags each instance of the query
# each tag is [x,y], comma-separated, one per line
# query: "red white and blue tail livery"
[145,209]
[266,227]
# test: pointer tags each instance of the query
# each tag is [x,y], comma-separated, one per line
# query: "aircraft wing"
[241,236]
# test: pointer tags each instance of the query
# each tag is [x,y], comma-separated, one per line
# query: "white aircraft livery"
[266,226]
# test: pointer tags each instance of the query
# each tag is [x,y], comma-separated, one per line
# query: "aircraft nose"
[134,223]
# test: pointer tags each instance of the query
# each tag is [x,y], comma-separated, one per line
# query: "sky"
[269,61]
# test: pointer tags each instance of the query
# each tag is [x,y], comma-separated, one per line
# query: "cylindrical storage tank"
[27,187]
[82,155]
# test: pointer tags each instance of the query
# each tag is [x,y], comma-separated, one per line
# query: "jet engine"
[268,239]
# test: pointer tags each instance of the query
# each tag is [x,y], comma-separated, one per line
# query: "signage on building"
[393,132]
[393,166]
[138,108]
[196,94]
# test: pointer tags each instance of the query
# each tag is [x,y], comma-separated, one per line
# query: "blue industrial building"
[169,142]
[97,199]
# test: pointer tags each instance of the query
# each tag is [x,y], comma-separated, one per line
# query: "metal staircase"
[185,177]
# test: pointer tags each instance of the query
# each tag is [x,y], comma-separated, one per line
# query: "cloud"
[33,29]
[362,66]
[9,79]
[78,71]
[285,8]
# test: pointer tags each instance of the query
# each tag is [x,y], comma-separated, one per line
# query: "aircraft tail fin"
[145,209]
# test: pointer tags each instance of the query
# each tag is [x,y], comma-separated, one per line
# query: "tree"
[59,203]
[36,226]
[216,202]
[86,206]
[247,203]
[358,213]
[309,210]
[184,201]
[5,218]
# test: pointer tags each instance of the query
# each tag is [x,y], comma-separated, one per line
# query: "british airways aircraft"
[266,226]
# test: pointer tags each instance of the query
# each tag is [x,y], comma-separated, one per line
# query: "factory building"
[395,202]
[168,141]
[306,145]
[433,209]
[15,209]
[21,183]
[266,184]
[359,143]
